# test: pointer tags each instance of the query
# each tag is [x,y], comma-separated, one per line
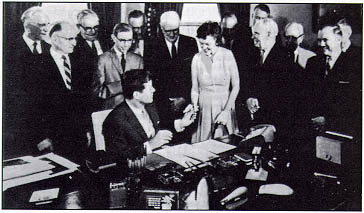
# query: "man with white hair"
[294,35]
[169,59]
[334,84]
[268,93]
[22,61]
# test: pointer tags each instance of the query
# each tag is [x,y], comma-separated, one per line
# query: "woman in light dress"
[215,84]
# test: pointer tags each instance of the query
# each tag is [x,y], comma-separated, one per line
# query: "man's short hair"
[133,81]
[335,29]
[269,24]
[136,14]
[121,27]
[84,13]
[263,7]
[30,12]
[295,25]
[58,26]
[168,17]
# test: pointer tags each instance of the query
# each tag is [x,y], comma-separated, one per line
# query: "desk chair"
[98,119]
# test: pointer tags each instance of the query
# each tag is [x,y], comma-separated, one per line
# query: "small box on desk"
[159,199]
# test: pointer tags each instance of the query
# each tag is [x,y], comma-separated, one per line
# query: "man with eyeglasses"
[60,121]
[294,35]
[22,60]
[112,64]
[136,19]
[169,59]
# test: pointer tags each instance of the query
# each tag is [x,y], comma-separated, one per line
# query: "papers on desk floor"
[50,165]
[188,155]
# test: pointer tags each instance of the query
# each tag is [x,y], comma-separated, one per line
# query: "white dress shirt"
[97,45]
[57,57]
[267,51]
[30,43]
[169,45]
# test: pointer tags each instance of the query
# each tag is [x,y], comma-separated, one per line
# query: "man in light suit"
[294,36]
[135,123]
[169,59]
[112,64]
[22,60]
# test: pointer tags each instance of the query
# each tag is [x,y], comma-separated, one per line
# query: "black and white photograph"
[240,106]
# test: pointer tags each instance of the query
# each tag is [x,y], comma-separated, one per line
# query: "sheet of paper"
[177,154]
[43,195]
[255,133]
[213,146]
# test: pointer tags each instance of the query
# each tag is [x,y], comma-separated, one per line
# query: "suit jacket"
[303,56]
[63,110]
[107,85]
[123,133]
[86,62]
[336,96]
[21,98]
[172,77]
[270,83]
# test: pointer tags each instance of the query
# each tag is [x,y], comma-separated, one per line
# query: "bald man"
[64,128]
[169,59]
[294,36]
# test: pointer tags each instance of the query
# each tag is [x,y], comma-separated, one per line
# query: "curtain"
[109,14]
[153,12]
[241,10]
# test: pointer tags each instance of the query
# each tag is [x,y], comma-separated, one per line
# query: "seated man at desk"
[135,122]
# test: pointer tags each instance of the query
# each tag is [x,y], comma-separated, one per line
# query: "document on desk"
[213,146]
[59,166]
[186,155]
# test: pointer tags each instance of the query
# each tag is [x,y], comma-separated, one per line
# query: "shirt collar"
[134,109]
[169,44]
[118,53]
[29,41]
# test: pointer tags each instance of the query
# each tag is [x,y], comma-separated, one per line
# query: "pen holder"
[137,160]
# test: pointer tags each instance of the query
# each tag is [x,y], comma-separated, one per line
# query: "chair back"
[98,119]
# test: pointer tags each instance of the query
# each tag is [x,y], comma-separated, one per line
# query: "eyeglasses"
[124,41]
[67,39]
[292,38]
[90,29]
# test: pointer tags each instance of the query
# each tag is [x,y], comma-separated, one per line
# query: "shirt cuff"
[178,125]
[148,148]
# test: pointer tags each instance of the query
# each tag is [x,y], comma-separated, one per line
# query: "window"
[63,11]
[193,15]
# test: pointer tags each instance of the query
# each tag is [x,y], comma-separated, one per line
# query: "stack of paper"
[35,169]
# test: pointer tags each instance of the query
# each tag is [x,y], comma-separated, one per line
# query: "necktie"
[327,67]
[35,50]
[123,62]
[67,71]
[94,50]
[261,56]
[174,50]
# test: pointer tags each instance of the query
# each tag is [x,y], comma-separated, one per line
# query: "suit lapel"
[134,123]
[115,61]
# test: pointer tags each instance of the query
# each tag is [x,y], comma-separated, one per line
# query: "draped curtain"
[109,14]
[241,10]
[153,12]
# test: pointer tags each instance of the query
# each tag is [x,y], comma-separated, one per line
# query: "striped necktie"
[67,71]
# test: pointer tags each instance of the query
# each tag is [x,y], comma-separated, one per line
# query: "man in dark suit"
[62,126]
[136,19]
[135,124]
[22,60]
[112,64]
[268,95]
[334,85]
[169,59]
